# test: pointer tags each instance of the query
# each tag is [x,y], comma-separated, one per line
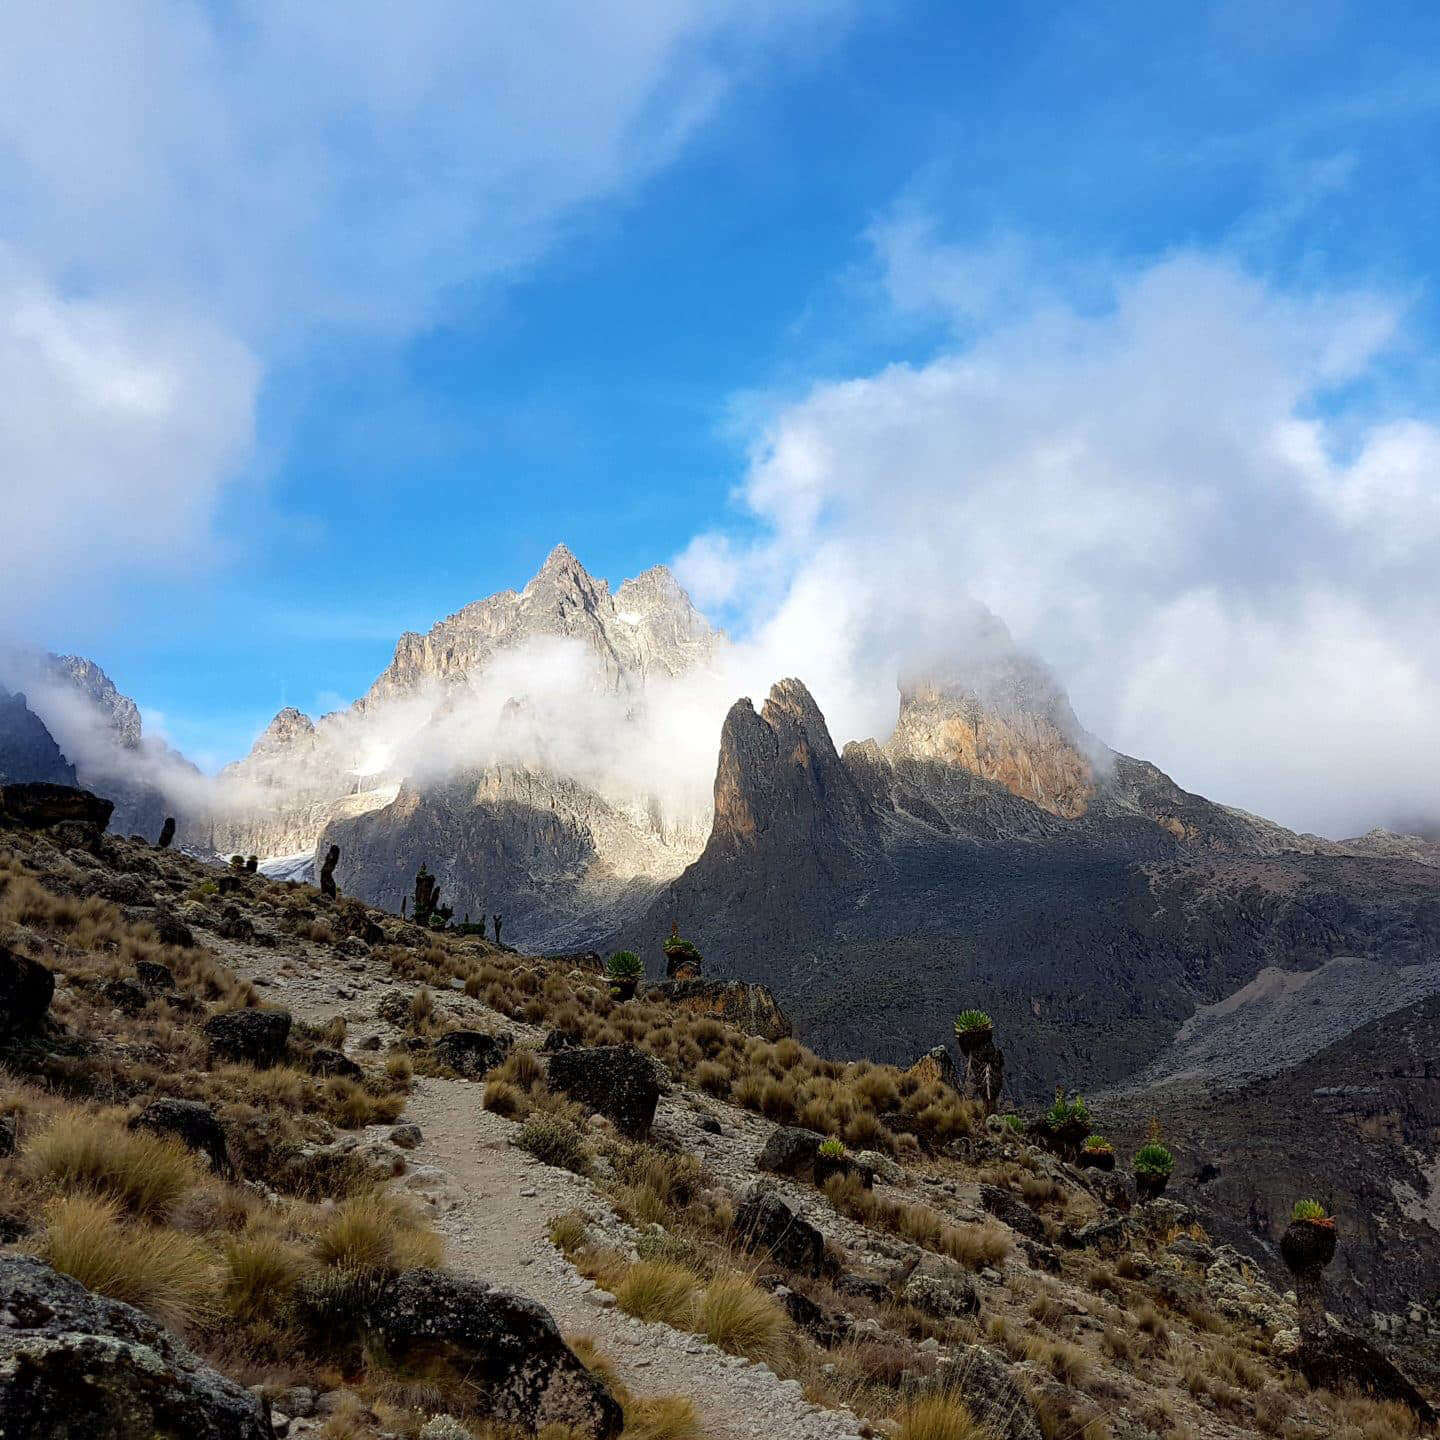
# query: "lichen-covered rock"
[26,989]
[619,1081]
[992,1395]
[36,804]
[763,1221]
[193,1124]
[882,1167]
[507,1348]
[249,1037]
[75,1366]
[471,1053]
[748,1007]
[942,1299]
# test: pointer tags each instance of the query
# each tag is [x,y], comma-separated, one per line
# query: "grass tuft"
[141,1172]
[744,1320]
[169,1276]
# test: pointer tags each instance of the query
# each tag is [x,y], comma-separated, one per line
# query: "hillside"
[358,1082]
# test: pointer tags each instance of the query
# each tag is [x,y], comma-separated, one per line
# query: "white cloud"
[189,192]
[1167,498]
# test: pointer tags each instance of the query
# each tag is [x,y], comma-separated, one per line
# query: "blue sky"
[445,341]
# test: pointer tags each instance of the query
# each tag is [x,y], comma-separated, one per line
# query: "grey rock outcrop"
[76,1366]
[748,1006]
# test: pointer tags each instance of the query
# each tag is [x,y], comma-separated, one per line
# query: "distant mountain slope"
[100,729]
[879,896]
[27,749]
[1355,1124]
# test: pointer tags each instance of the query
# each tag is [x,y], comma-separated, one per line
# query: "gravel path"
[494,1203]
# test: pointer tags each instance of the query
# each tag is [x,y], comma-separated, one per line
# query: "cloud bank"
[1184,498]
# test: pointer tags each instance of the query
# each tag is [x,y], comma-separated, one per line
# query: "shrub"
[1014,1123]
[832,1149]
[1152,1158]
[624,965]
[938,1417]
[968,1020]
[1098,1145]
[1308,1210]
[713,1078]
[168,1275]
[658,1291]
[143,1173]
[743,1320]
[555,1140]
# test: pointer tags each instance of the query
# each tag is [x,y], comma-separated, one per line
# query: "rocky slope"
[955,1265]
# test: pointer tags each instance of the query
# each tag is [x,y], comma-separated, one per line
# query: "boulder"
[995,1397]
[507,1348]
[26,989]
[168,928]
[235,926]
[330,1063]
[125,995]
[619,1081]
[763,1221]
[748,1007]
[823,1326]
[76,1366]
[154,976]
[191,1123]
[471,1053]
[791,1151]
[35,804]
[1006,1206]
[248,1037]
[1340,1360]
